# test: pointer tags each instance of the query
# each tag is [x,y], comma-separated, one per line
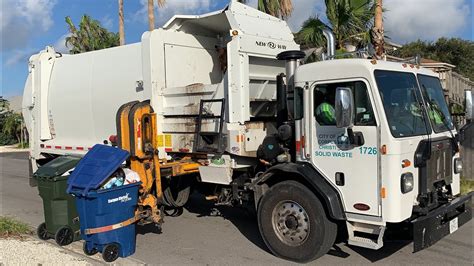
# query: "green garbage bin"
[60,215]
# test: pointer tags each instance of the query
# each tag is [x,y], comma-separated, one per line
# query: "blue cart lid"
[94,168]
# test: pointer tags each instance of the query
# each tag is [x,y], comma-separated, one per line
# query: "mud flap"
[441,222]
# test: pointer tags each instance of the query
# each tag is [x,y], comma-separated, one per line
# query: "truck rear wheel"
[293,223]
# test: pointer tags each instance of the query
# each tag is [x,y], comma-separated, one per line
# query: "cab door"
[352,169]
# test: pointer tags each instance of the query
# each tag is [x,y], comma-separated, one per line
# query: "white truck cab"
[380,134]
[389,121]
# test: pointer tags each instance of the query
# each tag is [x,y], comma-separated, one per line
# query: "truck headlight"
[457,165]
[406,182]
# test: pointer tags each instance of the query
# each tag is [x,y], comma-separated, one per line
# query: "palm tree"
[377,33]
[151,15]
[151,12]
[348,19]
[121,23]
[13,125]
[277,8]
[89,37]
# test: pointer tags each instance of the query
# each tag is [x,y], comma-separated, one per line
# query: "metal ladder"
[209,137]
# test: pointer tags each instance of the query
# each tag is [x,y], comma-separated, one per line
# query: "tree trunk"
[18,137]
[151,15]
[121,23]
[377,33]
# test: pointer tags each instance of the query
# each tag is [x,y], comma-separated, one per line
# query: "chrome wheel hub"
[290,223]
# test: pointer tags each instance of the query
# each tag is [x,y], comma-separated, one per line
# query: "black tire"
[176,192]
[64,236]
[319,232]
[42,233]
[110,252]
[89,252]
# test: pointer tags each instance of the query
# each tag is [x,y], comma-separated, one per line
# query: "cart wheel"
[64,236]
[93,251]
[110,252]
[42,232]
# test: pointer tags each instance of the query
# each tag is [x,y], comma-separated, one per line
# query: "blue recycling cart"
[107,216]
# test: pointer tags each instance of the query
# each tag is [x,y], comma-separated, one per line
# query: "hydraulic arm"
[136,129]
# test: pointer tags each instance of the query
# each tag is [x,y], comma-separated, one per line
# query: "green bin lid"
[56,168]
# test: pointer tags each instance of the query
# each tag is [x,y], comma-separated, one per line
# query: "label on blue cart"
[123,198]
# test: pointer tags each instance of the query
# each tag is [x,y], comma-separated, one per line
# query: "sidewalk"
[30,251]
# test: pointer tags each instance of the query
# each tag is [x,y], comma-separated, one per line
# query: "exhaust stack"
[331,44]
[285,101]
[286,92]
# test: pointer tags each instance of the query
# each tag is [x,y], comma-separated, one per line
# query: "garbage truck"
[220,103]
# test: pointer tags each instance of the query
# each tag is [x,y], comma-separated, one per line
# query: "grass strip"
[10,227]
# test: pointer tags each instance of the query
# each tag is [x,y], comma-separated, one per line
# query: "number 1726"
[368,150]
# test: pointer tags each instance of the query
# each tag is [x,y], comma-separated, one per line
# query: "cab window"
[324,103]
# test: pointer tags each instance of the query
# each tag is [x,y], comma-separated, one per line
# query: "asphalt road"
[200,236]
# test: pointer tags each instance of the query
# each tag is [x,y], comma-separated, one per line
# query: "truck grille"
[439,166]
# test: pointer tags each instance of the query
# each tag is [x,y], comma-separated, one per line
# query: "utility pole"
[377,33]
[121,23]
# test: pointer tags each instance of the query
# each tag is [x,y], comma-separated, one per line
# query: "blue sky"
[27,26]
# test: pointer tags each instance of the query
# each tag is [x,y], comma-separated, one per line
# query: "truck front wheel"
[293,223]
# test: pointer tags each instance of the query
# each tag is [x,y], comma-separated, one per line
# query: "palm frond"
[349,18]
[89,36]
[311,33]
[161,3]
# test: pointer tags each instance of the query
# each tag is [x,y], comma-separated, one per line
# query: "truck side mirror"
[344,107]
[469,105]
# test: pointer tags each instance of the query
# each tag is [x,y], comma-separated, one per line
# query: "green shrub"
[6,139]
[23,145]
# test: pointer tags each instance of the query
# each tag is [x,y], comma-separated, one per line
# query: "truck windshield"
[438,111]
[401,100]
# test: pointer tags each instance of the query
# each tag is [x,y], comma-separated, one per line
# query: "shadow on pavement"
[241,218]
[246,223]
[396,238]
[147,228]
[387,250]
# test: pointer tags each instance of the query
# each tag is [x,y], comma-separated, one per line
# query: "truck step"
[364,242]
[365,235]
[211,117]
[209,133]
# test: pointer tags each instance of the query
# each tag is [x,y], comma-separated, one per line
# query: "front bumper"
[441,222]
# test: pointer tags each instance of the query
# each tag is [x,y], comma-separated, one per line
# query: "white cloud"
[19,56]
[21,19]
[302,10]
[175,7]
[405,20]
[60,44]
[408,20]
